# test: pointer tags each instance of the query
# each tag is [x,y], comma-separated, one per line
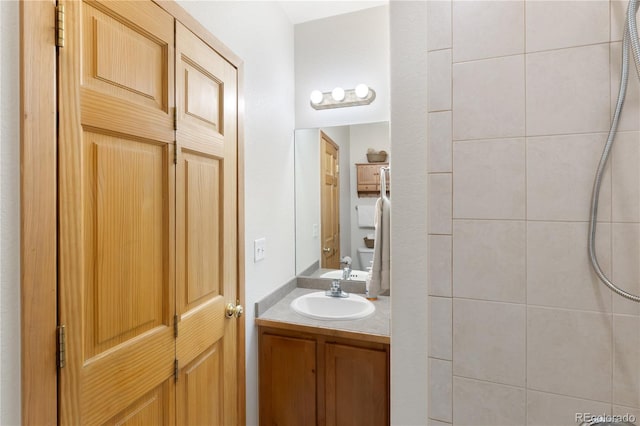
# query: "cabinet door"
[287,381]
[356,386]
[368,175]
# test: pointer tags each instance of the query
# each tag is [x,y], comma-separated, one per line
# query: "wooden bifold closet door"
[147,220]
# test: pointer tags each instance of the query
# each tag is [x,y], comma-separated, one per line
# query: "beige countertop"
[375,328]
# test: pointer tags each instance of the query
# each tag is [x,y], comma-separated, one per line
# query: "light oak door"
[116,222]
[206,93]
[329,203]
[148,220]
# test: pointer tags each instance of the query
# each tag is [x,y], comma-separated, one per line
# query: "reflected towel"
[380,273]
[366,216]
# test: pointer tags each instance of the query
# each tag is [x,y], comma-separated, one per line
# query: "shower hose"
[630,39]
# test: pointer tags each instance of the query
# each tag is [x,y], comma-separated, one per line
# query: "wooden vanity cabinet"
[368,176]
[313,379]
[287,380]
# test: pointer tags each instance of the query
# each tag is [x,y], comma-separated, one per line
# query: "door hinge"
[175,326]
[60,26]
[175,154]
[175,370]
[62,347]
[175,118]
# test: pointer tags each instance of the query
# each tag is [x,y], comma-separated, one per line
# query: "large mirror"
[334,215]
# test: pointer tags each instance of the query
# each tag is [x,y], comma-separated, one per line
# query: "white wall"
[9,215]
[362,137]
[409,301]
[343,50]
[261,34]
[307,175]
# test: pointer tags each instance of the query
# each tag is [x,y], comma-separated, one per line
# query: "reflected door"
[329,203]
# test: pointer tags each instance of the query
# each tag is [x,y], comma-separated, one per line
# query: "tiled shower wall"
[520,96]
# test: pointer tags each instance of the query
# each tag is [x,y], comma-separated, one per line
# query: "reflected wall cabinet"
[368,175]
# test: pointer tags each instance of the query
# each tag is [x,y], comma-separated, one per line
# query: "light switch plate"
[259,249]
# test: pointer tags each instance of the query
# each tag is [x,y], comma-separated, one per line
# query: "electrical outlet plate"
[259,249]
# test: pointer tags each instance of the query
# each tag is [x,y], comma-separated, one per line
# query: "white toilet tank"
[365,256]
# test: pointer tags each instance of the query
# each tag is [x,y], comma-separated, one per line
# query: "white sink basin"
[337,275]
[317,305]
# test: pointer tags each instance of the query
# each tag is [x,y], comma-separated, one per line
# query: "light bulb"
[362,90]
[338,94]
[316,97]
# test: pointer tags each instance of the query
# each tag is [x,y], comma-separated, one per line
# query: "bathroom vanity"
[319,372]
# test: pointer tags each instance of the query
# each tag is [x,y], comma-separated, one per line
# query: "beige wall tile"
[489,260]
[626,413]
[624,263]
[439,24]
[488,98]
[439,80]
[439,271]
[440,337]
[440,141]
[618,18]
[489,182]
[566,91]
[487,29]
[560,172]
[630,115]
[489,341]
[626,354]
[545,409]
[440,392]
[440,203]
[558,24]
[559,273]
[625,175]
[478,403]
[569,353]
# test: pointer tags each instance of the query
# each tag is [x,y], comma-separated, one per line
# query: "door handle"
[234,310]
[326,250]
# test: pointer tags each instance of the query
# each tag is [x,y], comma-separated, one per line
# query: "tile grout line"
[526,229]
[611,222]
[451,277]
[535,52]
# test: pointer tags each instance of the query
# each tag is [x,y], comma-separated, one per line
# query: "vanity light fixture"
[340,98]
[338,94]
[316,97]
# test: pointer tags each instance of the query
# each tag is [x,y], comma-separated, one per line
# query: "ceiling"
[300,11]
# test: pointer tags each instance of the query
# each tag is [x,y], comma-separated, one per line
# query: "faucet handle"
[335,290]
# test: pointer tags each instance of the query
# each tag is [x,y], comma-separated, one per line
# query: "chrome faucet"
[346,271]
[335,290]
